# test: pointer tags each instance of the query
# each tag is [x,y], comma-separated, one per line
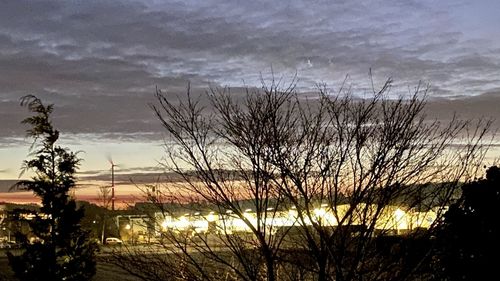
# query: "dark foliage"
[61,250]
[469,244]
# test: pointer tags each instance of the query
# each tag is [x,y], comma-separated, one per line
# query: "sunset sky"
[99,62]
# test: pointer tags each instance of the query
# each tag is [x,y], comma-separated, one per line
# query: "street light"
[400,220]
[211,217]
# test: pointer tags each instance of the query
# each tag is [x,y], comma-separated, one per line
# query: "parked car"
[14,245]
[113,241]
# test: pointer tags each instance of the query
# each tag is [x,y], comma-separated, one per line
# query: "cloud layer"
[100,61]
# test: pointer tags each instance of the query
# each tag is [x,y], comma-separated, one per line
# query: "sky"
[100,62]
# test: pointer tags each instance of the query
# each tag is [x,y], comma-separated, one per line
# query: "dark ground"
[105,272]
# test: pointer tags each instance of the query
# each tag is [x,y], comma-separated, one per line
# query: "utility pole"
[112,186]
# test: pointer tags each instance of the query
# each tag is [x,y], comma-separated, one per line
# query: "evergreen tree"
[62,250]
[468,242]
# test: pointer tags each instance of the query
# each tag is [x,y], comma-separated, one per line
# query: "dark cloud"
[481,106]
[106,174]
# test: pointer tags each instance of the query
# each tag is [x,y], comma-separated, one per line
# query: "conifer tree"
[62,250]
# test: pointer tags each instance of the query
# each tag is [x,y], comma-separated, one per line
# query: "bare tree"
[104,196]
[365,161]
[104,199]
[314,182]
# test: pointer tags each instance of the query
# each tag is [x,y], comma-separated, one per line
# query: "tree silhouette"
[62,250]
[469,239]
[332,168]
